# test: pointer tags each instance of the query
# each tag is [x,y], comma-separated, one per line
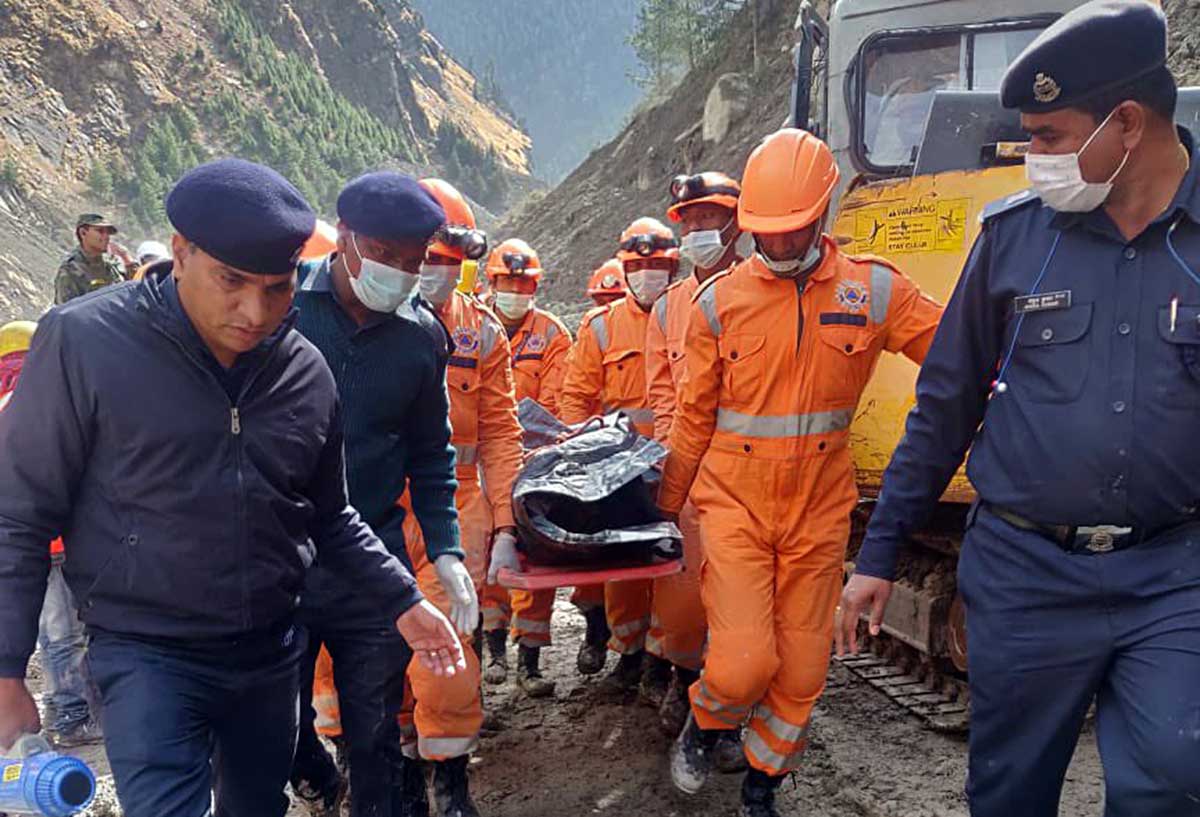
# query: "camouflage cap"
[94,220]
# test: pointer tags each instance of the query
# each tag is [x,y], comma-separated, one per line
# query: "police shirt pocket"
[1050,362]
[844,363]
[742,364]
[623,377]
[1178,377]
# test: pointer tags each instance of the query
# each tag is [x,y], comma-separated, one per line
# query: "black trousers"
[369,665]
[183,721]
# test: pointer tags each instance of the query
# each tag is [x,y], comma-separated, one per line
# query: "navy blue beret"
[1089,50]
[242,214]
[390,206]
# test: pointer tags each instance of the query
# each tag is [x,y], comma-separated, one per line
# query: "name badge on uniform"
[1043,302]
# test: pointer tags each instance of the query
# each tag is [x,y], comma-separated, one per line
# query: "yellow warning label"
[12,773]
[912,226]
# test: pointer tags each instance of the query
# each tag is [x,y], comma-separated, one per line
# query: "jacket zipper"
[235,428]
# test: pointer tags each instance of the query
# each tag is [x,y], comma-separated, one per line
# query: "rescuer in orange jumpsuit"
[539,343]
[607,371]
[487,440]
[607,283]
[705,207]
[779,350]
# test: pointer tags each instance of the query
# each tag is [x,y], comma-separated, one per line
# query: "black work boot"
[656,677]
[758,794]
[496,671]
[729,755]
[594,649]
[676,705]
[625,675]
[529,677]
[415,800]
[690,756]
[451,794]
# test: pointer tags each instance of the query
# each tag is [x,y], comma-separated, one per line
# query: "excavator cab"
[905,92]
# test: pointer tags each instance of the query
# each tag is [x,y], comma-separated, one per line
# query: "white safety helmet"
[152,251]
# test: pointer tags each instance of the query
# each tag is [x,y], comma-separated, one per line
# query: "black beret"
[1094,48]
[390,206]
[242,214]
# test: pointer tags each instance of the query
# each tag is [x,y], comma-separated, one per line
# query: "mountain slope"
[563,66]
[575,226]
[103,103]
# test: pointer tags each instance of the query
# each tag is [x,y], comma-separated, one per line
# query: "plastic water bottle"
[38,780]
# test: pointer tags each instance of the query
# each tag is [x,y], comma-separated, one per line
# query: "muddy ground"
[579,754]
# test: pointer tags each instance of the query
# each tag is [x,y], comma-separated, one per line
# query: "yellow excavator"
[906,94]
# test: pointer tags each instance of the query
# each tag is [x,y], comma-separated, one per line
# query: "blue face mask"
[379,287]
[438,282]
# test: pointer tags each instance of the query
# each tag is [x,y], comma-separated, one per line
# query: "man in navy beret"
[1068,362]
[361,307]
[187,445]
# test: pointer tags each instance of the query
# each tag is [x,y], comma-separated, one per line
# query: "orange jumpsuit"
[539,360]
[760,439]
[677,626]
[607,371]
[487,437]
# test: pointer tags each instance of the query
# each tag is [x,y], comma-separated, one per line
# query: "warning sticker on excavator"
[912,226]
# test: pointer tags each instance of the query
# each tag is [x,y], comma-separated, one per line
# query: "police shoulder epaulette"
[712,281]
[1007,204]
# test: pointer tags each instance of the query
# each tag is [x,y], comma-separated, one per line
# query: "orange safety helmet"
[648,238]
[702,188]
[515,258]
[458,237]
[788,182]
[608,279]
[321,243]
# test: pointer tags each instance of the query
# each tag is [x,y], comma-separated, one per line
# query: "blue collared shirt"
[1098,417]
[391,378]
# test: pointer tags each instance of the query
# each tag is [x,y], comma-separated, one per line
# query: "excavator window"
[900,71]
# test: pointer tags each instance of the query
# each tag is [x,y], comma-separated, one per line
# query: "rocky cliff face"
[712,121]
[85,84]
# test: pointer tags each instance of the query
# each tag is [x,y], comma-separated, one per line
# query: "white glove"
[504,554]
[456,581]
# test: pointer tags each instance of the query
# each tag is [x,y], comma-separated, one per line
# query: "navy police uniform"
[391,378]
[1068,361]
[192,500]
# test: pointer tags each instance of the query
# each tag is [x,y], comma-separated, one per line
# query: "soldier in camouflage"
[97,261]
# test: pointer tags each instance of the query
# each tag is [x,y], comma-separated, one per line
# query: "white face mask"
[513,305]
[438,281]
[704,248]
[795,266]
[379,287]
[646,285]
[1058,179]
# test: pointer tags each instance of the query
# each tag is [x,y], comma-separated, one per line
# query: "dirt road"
[580,755]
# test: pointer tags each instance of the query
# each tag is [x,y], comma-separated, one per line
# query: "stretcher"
[547,577]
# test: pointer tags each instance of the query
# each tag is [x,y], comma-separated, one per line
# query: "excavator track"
[919,659]
[938,698]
